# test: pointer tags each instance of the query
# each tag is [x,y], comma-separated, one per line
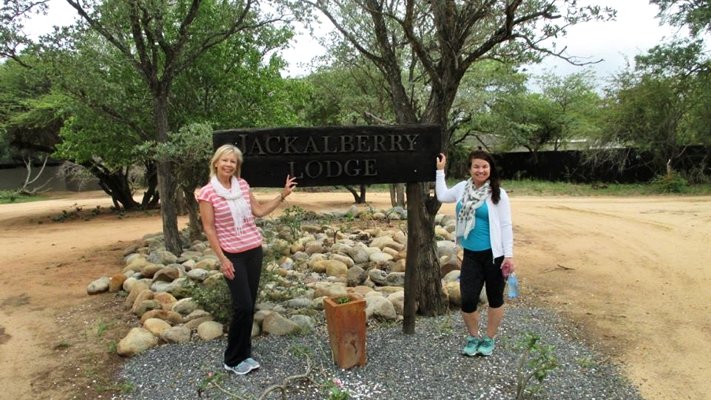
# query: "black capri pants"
[479,269]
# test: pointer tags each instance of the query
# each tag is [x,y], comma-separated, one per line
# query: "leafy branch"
[537,361]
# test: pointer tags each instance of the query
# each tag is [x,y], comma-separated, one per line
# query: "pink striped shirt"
[230,240]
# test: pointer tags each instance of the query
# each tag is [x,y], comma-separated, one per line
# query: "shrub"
[8,196]
[214,299]
[670,183]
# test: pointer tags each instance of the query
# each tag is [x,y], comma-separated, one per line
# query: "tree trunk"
[115,184]
[166,180]
[357,198]
[423,286]
[150,196]
[192,206]
[180,206]
[168,211]
[397,194]
[400,195]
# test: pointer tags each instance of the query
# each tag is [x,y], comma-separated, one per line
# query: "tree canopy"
[695,14]
[158,42]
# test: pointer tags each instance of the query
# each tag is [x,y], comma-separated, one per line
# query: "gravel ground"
[425,365]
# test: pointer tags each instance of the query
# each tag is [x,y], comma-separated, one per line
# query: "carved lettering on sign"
[336,155]
[274,145]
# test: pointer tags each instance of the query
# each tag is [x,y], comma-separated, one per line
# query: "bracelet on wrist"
[282,197]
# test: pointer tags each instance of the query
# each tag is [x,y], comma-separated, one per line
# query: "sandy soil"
[633,273]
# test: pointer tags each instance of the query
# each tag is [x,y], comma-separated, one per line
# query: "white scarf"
[473,198]
[235,200]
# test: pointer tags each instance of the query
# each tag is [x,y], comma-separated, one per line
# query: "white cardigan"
[500,227]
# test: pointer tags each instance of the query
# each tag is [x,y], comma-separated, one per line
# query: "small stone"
[100,285]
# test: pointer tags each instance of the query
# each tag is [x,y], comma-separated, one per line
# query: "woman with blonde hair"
[227,210]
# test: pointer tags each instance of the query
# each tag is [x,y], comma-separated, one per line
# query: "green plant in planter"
[342,300]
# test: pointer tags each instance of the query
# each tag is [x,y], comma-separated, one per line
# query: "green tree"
[647,116]
[696,14]
[160,41]
[233,85]
[529,120]
[562,111]
[31,115]
[423,49]
[662,107]
[348,92]
[107,150]
[108,111]
[228,85]
[13,15]
[469,122]
[30,112]
[190,150]
[576,99]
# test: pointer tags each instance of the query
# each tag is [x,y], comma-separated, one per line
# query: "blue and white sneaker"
[486,346]
[252,363]
[470,349]
[242,368]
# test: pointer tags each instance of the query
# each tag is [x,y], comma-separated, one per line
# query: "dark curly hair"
[494,182]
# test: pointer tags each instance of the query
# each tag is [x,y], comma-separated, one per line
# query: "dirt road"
[633,272]
[636,273]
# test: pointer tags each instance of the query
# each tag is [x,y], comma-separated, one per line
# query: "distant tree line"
[626,165]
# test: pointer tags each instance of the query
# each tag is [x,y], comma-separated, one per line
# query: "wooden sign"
[339,155]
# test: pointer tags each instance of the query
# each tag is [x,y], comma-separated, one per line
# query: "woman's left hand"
[507,266]
[288,186]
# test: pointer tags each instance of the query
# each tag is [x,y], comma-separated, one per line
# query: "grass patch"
[543,188]
[528,187]
[13,196]
[102,327]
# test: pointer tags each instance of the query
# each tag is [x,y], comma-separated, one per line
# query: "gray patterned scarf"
[473,198]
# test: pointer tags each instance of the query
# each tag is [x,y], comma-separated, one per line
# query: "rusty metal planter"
[346,330]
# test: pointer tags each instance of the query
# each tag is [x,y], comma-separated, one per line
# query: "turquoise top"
[478,238]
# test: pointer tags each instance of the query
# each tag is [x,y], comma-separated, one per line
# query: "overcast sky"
[635,31]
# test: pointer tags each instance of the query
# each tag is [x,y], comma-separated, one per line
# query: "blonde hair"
[221,151]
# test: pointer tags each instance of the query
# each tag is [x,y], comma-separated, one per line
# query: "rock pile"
[322,260]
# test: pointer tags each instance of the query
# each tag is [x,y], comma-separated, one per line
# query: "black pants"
[243,290]
[478,269]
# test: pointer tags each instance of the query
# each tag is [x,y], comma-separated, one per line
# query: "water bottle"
[512,283]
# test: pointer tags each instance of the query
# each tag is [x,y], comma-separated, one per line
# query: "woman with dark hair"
[227,210]
[484,231]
